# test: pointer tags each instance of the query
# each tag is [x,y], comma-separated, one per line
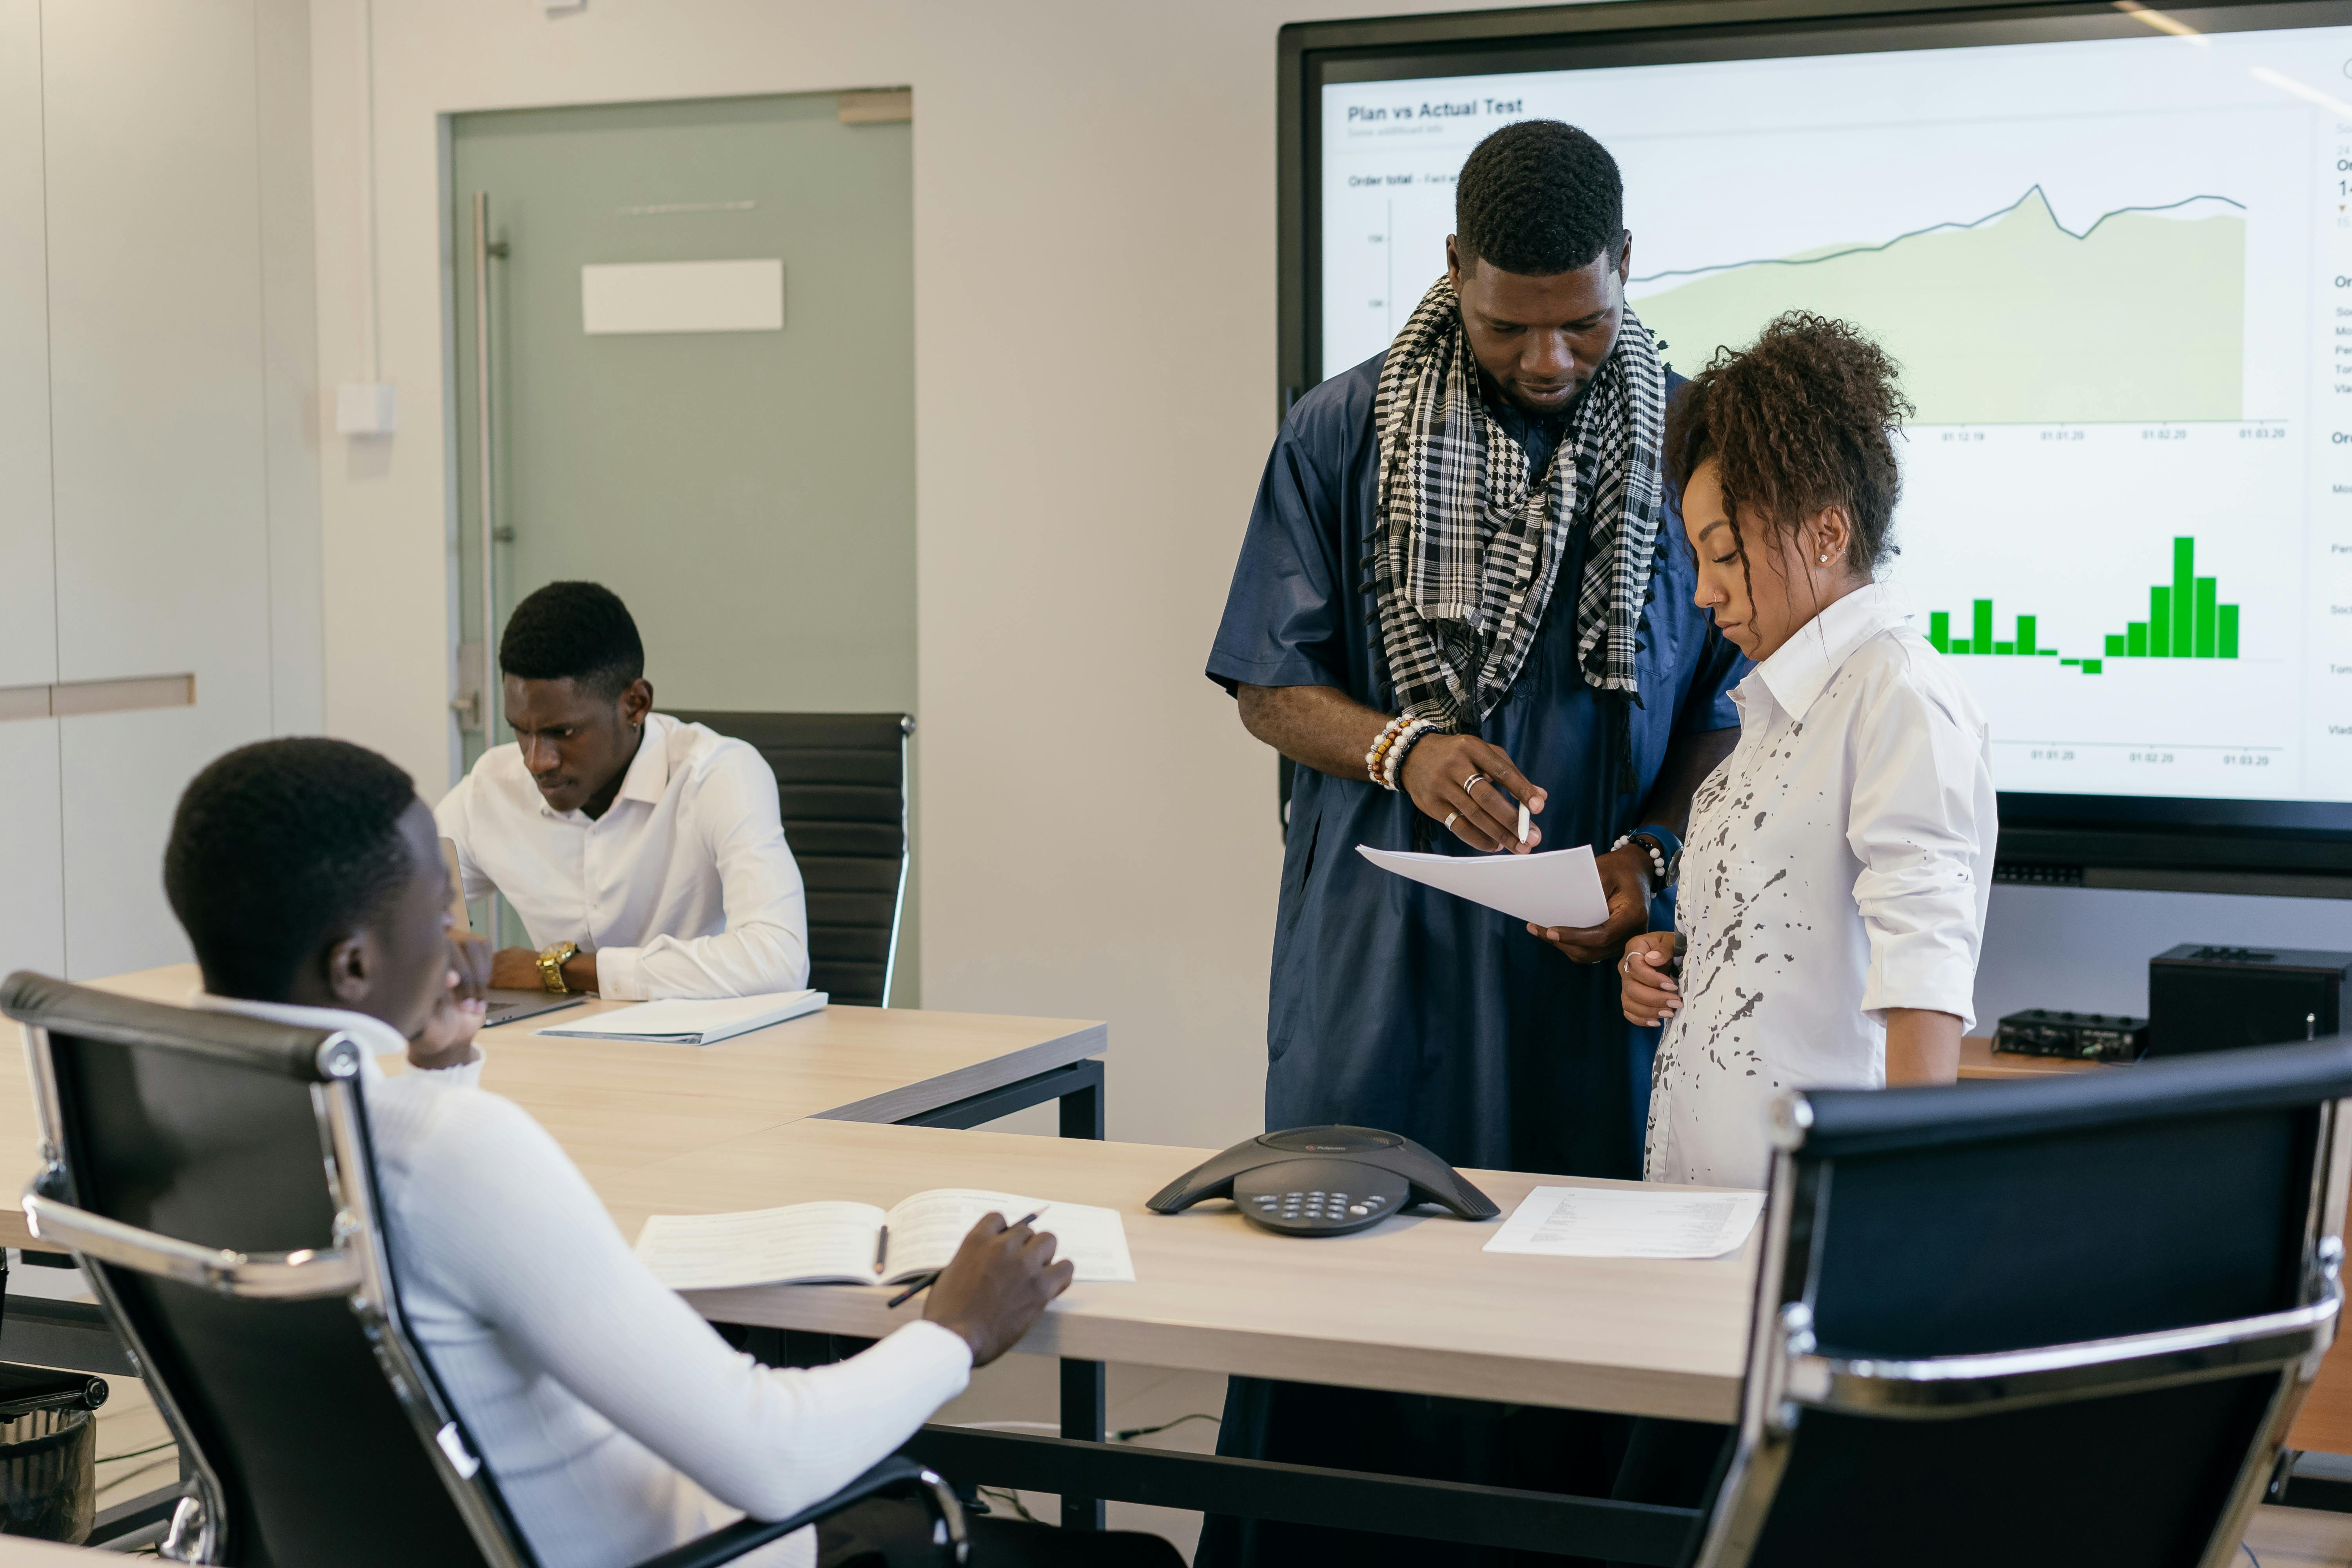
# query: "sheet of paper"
[829,1241]
[691,1021]
[1628,1222]
[1552,888]
[926,1230]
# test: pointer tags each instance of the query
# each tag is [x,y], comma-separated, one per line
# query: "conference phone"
[1326,1181]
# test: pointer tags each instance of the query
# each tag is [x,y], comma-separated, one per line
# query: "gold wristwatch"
[551,966]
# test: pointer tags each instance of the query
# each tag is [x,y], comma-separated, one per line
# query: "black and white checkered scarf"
[1465,547]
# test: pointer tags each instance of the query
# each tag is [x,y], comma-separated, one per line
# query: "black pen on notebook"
[928,1281]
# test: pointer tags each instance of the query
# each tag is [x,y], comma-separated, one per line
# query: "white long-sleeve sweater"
[617,1423]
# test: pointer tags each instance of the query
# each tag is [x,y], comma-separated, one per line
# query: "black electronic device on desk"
[1326,1181]
[2203,998]
[2084,1037]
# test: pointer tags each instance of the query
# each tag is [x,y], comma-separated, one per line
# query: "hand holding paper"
[1559,887]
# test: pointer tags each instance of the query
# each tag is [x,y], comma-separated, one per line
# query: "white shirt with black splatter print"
[1838,863]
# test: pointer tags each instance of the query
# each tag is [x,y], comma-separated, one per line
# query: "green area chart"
[2011,318]
[2185,620]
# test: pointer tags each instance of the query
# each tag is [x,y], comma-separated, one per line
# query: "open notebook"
[857,1244]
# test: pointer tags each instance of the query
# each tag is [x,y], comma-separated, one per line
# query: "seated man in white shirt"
[616,1421]
[645,857]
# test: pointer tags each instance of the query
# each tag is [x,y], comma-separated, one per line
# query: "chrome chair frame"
[356,1267]
[1787,1375]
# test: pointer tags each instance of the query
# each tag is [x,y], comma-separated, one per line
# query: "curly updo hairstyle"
[1802,420]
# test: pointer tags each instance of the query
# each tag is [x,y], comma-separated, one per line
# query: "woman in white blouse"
[1835,879]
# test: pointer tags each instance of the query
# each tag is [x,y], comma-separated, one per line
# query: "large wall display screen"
[2117,273]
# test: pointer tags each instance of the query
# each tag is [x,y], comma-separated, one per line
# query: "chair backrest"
[841,779]
[210,1173]
[2037,1323]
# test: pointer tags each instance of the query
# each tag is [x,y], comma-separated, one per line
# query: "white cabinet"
[32,876]
[156,413]
[155,338]
[29,642]
[32,891]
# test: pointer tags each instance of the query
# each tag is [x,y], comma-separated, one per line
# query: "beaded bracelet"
[1373,759]
[1393,766]
[1658,855]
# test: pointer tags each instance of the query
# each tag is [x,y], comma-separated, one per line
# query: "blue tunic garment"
[1395,1005]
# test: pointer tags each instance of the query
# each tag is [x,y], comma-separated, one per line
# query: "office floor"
[1022,1388]
[134,1452]
[1024,1392]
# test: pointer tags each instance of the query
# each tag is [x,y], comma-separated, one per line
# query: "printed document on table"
[1629,1222]
[1554,887]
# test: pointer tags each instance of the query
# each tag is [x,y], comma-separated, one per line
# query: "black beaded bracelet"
[1659,866]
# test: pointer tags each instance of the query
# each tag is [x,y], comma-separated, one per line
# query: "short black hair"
[276,848]
[1538,198]
[576,631]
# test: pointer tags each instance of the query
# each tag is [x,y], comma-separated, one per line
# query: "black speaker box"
[2215,998]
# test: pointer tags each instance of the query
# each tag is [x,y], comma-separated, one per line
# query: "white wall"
[1093,279]
[1095,286]
[158,473]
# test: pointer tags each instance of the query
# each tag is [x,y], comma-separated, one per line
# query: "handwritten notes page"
[857,1244]
[1629,1222]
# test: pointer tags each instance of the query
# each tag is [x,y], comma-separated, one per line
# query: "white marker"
[1523,821]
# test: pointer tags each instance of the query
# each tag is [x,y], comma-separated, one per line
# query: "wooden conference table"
[801,1111]
[617,1107]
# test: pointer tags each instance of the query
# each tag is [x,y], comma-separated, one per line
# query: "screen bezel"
[2061,831]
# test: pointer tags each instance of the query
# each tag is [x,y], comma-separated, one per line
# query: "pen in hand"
[917,1286]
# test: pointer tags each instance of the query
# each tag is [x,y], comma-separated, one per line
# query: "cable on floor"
[1010,1496]
[133,1475]
[1054,1428]
[1132,1433]
[2250,1551]
[134,1453]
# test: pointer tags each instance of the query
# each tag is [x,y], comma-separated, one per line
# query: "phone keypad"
[1317,1205]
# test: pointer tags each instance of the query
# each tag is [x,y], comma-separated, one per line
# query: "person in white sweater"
[616,1421]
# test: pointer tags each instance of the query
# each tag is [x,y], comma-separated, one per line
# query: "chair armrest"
[897,1473]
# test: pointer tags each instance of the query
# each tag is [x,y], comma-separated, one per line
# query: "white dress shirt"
[685,887]
[1838,863]
[617,1423]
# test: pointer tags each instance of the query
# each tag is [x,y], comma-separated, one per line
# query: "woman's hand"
[997,1285]
[1651,996]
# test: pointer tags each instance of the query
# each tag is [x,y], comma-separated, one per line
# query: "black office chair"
[841,779]
[182,1155]
[2043,1323]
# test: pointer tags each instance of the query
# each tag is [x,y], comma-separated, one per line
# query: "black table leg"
[1083,1382]
[1082,1396]
[1082,1109]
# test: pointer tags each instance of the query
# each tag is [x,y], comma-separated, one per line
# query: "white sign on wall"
[683,297]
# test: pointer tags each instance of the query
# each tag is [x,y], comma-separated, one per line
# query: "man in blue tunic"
[1463,589]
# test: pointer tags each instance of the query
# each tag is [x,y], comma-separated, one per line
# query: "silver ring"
[1450,817]
[1473,782]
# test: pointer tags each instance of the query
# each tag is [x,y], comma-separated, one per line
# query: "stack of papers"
[857,1244]
[1554,887]
[1629,1222]
[692,1023]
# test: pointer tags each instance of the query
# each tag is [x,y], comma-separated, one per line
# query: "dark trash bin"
[48,1452]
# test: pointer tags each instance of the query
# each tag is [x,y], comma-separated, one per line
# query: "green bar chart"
[2186,619]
